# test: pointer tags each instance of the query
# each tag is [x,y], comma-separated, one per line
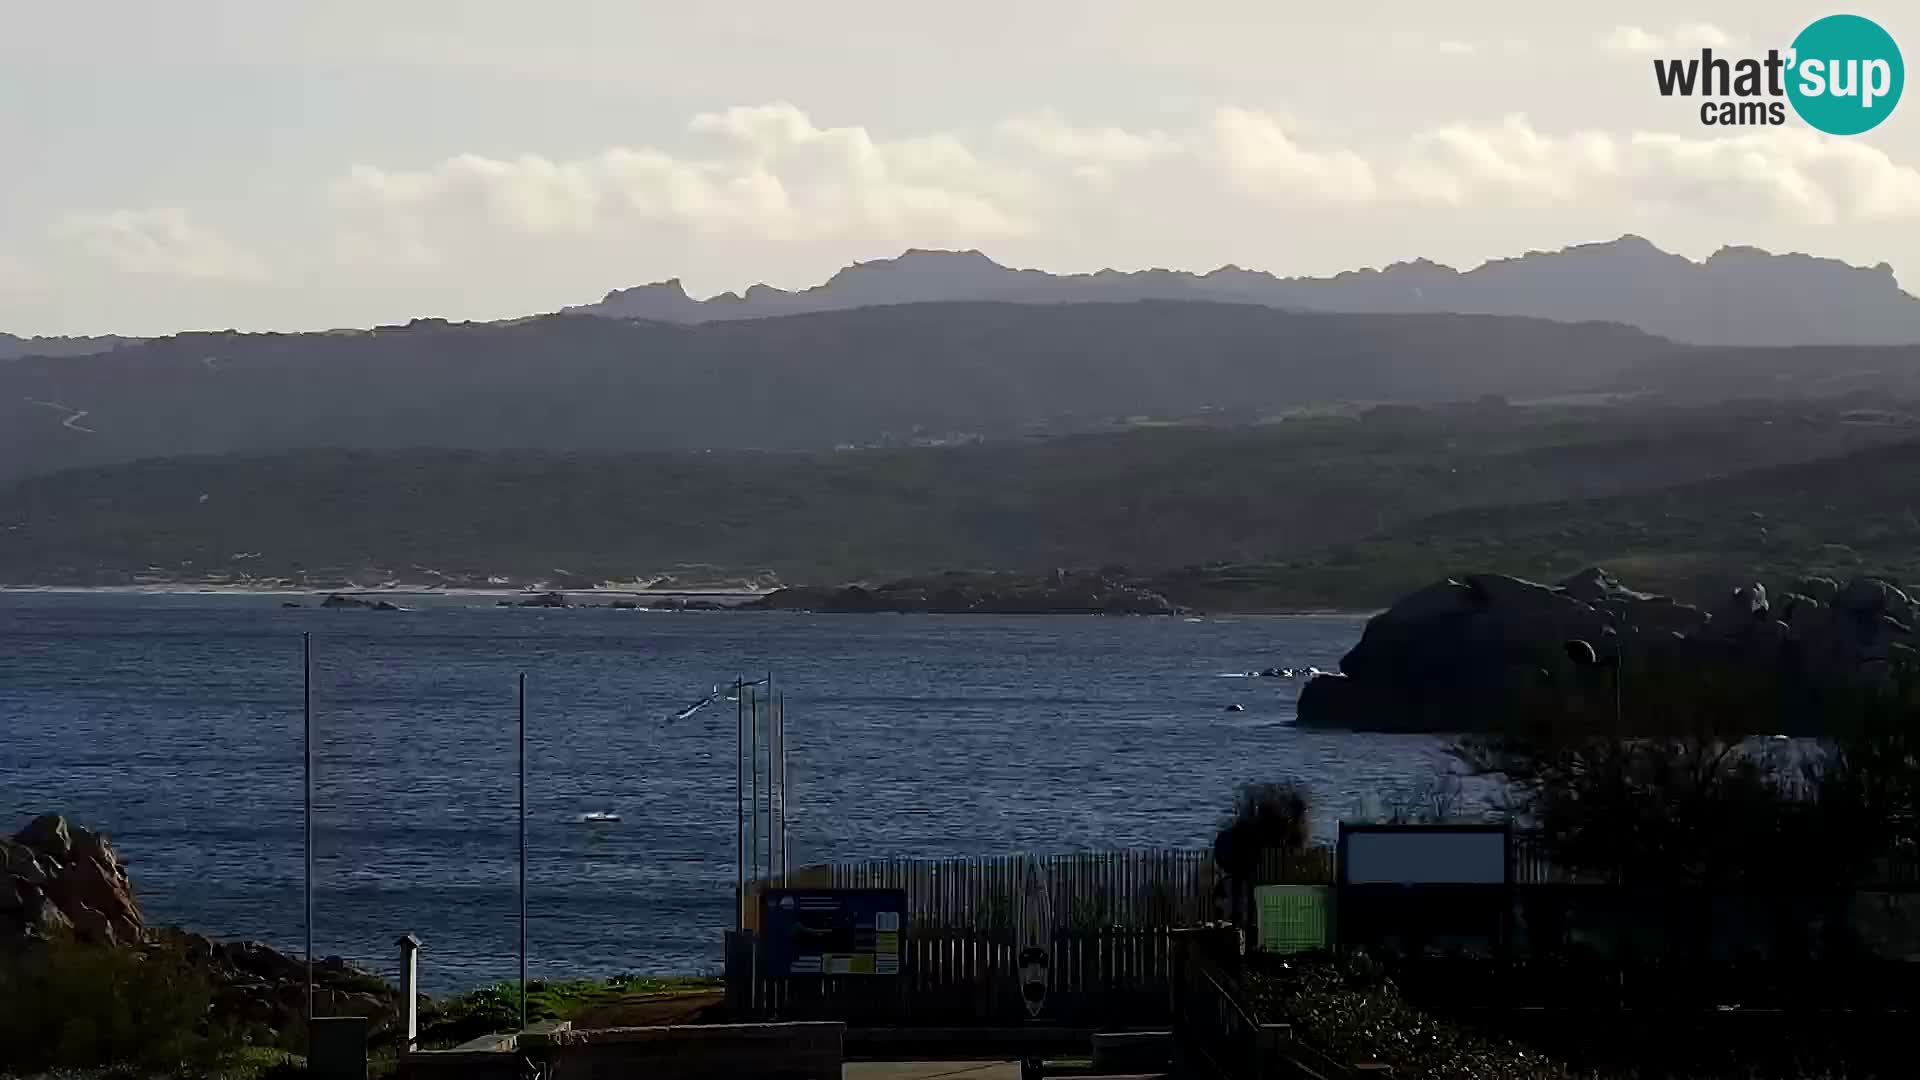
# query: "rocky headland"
[1490,653]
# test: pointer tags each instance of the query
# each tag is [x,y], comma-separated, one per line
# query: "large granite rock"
[60,878]
[1487,651]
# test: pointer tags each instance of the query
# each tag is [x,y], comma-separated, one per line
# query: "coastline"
[739,594]
[403,590]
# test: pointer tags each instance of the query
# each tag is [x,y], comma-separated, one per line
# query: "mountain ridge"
[1739,295]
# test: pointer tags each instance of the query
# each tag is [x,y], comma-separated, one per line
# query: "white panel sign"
[1426,858]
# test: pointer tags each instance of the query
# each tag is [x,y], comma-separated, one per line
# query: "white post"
[410,985]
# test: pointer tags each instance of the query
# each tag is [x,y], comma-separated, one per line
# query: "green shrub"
[72,1005]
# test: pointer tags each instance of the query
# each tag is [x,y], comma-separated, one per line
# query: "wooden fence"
[960,976]
[1088,890]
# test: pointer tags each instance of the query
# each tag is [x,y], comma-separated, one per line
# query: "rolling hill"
[578,383]
[1332,512]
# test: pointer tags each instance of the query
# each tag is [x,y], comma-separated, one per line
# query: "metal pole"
[739,805]
[753,755]
[306,741]
[770,792]
[784,868]
[1619,676]
[523,851]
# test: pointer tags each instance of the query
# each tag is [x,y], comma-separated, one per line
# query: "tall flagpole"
[306,717]
[770,794]
[753,800]
[784,794]
[740,799]
[523,851]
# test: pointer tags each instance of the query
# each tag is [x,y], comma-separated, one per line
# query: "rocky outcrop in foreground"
[1489,652]
[60,881]
[1060,593]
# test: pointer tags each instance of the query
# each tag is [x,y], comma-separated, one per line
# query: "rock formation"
[57,878]
[60,881]
[338,601]
[1485,652]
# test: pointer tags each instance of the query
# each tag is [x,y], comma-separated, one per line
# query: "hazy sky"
[260,164]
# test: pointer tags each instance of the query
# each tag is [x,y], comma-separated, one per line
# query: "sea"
[175,723]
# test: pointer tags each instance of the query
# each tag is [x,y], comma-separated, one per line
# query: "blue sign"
[834,931]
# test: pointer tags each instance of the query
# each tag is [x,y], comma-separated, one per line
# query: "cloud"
[766,178]
[1050,134]
[765,170]
[1457,48]
[1786,174]
[164,242]
[1682,38]
[1259,157]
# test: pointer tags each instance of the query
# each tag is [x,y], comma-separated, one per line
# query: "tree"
[1265,817]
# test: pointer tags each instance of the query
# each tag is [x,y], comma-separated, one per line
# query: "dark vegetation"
[100,1009]
[71,1005]
[1854,515]
[1330,512]
[1731,893]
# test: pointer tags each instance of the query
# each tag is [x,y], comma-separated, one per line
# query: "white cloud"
[1787,174]
[1051,134]
[1258,156]
[767,178]
[1457,48]
[164,242]
[1681,38]
[765,170]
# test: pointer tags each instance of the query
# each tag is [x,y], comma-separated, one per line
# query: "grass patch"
[497,1008]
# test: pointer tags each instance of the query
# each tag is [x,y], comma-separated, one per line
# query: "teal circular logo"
[1846,75]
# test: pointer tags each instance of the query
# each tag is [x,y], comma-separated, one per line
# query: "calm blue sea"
[174,722]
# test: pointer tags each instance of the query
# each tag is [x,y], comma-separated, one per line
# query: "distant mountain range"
[11,346]
[1738,296]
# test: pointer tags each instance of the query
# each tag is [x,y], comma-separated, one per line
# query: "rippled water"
[174,723]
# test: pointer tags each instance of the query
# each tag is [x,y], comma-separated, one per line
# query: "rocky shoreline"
[1491,653]
[1063,592]
[61,882]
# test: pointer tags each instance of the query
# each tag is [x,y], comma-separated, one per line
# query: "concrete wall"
[801,1051]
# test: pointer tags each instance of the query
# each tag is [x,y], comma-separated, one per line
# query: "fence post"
[410,986]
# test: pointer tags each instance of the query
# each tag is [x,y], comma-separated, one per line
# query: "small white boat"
[599,815]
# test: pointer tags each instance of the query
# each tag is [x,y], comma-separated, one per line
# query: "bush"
[1265,817]
[73,1005]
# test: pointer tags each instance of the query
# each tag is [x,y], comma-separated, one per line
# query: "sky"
[259,164]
